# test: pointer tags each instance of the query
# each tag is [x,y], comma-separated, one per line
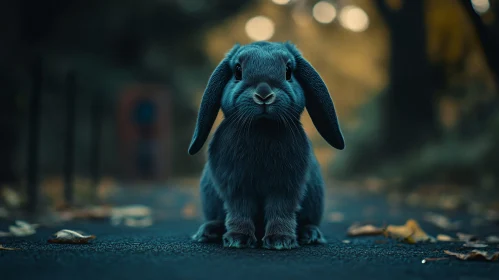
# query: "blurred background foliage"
[414,84]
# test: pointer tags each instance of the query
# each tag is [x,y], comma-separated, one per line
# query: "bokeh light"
[281,2]
[480,6]
[354,19]
[324,12]
[259,28]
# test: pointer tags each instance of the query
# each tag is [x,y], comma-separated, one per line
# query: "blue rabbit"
[262,184]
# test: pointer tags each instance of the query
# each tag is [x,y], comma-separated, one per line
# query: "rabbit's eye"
[288,72]
[238,72]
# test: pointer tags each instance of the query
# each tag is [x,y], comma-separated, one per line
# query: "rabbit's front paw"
[280,242]
[210,231]
[239,240]
[311,234]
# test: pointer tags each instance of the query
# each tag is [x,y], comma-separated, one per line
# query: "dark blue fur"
[262,180]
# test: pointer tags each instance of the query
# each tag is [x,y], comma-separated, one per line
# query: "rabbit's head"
[268,82]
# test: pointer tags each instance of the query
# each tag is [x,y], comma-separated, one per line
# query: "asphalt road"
[165,251]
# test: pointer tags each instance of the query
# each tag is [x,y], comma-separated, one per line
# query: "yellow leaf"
[410,233]
[358,230]
[445,238]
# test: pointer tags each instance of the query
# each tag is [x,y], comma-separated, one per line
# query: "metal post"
[34,116]
[70,131]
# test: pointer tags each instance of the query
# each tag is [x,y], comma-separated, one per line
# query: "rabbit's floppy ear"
[318,101]
[210,103]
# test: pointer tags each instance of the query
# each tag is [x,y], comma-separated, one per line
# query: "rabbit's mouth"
[264,115]
[265,111]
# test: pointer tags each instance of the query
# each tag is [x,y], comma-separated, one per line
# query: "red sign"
[144,122]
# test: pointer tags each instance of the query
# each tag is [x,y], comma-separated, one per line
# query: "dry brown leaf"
[441,221]
[411,232]
[2,248]
[91,213]
[475,255]
[433,259]
[364,230]
[67,236]
[444,238]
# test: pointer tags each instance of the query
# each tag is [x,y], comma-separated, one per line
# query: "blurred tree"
[8,128]
[402,117]
[112,43]
[437,92]
[488,35]
[408,115]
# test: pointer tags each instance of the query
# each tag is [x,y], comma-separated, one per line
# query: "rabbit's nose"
[263,94]
[267,99]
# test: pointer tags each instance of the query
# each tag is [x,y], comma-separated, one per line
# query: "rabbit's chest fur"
[261,160]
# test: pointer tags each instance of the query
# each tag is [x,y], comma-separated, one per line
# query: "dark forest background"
[98,93]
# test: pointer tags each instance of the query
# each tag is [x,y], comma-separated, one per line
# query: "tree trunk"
[9,130]
[408,111]
[488,36]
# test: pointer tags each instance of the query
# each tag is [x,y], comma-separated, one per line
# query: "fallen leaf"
[7,249]
[410,233]
[441,221]
[67,236]
[131,215]
[444,238]
[21,228]
[433,259]
[466,237]
[492,239]
[363,230]
[475,255]
[475,245]
[90,213]
[133,222]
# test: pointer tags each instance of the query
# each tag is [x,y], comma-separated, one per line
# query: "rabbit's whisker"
[291,125]
[240,121]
